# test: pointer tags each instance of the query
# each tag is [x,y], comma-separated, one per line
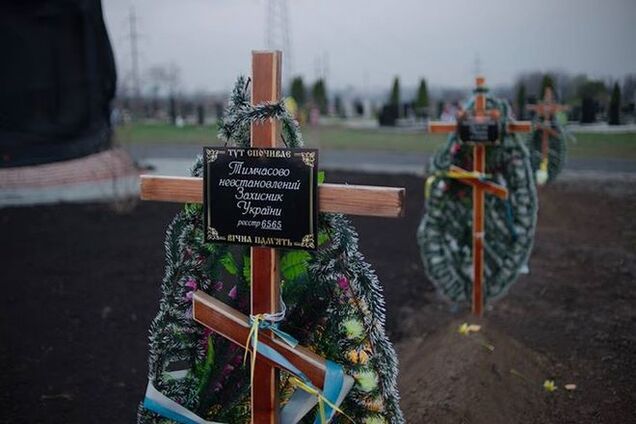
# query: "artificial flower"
[367,380]
[233,293]
[549,385]
[353,328]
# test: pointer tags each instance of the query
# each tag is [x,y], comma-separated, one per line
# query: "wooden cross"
[265,281]
[478,184]
[545,112]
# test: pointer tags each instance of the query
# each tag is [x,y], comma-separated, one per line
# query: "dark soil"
[81,286]
[484,377]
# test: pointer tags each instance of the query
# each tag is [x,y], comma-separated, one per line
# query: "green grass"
[339,138]
[587,145]
[593,145]
[144,133]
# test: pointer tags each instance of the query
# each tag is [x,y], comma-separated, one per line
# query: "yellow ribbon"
[322,400]
[256,320]
[253,338]
[465,174]
[451,174]
[544,165]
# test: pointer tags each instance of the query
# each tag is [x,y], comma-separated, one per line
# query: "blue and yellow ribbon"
[322,400]
[260,321]
[328,399]
[333,377]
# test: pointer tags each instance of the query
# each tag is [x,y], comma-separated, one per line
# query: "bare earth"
[80,286]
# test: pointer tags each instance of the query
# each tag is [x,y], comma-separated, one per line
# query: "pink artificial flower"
[233,293]
[192,284]
[455,148]
[343,283]
[218,286]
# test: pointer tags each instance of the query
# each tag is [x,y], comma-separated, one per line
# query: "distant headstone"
[200,114]
[588,110]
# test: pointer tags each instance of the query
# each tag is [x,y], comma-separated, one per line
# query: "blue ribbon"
[334,379]
[333,385]
[159,403]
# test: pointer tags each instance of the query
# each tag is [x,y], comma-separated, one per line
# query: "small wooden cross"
[480,186]
[545,112]
[265,281]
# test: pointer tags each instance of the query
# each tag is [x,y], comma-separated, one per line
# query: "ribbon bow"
[300,380]
[266,322]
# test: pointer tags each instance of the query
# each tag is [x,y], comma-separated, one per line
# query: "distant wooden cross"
[546,111]
[475,179]
[265,280]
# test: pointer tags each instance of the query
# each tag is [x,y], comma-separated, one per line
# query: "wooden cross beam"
[545,111]
[265,281]
[479,186]
[385,202]
[548,107]
[487,186]
[235,326]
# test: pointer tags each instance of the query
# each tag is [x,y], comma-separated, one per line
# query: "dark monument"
[57,81]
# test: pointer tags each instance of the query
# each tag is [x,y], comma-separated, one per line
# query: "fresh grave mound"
[450,377]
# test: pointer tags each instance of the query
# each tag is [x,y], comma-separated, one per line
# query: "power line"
[134,52]
[277,33]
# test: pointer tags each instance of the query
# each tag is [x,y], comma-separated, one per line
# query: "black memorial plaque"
[483,131]
[261,197]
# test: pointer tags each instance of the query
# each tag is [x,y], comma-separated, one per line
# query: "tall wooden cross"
[476,180]
[545,111]
[265,281]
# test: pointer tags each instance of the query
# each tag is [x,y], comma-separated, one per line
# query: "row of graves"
[269,313]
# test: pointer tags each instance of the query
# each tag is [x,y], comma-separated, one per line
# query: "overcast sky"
[367,42]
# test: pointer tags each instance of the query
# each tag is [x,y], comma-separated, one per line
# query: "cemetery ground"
[81,284]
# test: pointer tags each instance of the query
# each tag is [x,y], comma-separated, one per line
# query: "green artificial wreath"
[334,302]
[445,232]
